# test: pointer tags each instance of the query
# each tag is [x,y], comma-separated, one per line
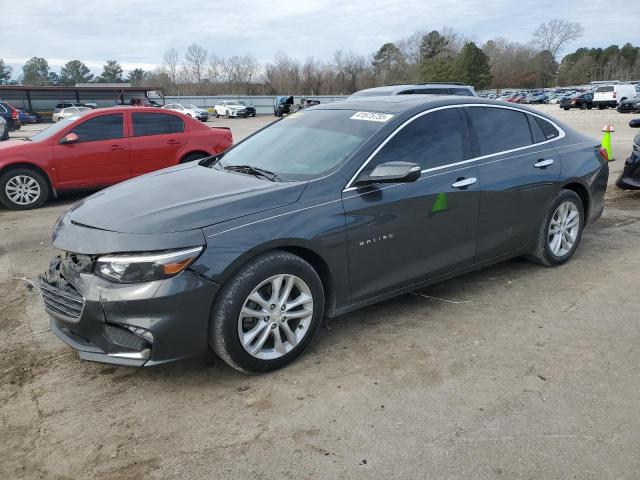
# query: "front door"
[99,157]
[399,234]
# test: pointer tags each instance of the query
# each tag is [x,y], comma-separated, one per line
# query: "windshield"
[232,103]
[242,102]
[55,128]
[191,106]
[304,145]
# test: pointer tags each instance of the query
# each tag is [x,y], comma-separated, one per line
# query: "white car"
[230,108]
[189,110]
[606,96]
[67,112]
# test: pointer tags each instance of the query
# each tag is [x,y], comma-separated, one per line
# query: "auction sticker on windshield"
[371,116]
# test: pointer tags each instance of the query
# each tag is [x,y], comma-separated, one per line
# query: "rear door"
[157,138]
[399,234]
[99,157]
[517,168]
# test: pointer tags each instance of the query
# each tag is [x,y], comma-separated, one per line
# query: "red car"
[101,147]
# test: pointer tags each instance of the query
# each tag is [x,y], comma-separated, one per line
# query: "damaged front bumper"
[127,324]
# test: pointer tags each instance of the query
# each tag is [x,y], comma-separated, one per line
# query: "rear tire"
[273,340]
[566,108]
[23,189]
[558,236]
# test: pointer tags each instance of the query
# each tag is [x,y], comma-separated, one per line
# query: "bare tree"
[196,58]
[171,59]
[555,34]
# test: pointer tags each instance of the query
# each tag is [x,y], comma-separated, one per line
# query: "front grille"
[66,304]
[124,338]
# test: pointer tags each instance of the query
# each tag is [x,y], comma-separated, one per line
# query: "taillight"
[615,94]
[603,153]
[14,113]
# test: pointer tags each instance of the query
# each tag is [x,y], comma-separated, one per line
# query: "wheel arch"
[303,250]
[583,193]
[206,154]
[31,166]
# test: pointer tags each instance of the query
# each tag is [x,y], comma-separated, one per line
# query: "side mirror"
[392,172]
[69,138]
[635,123]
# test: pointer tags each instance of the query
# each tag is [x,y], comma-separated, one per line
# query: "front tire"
[561,230]
[267,313]
[23,189]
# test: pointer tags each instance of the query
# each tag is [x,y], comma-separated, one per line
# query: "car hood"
[181,198]
[14,146]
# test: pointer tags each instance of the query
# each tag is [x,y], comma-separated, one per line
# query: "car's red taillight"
[14,113]
[603,153]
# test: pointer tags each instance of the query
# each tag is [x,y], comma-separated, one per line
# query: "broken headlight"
[145,267]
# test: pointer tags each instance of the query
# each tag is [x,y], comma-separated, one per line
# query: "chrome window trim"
[358,195]
[349,187]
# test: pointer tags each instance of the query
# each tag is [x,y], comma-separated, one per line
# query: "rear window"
[607,88]
[432,91]
[499,129]
[465,92]
[156,124]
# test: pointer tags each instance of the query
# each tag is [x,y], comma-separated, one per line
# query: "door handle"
[174,142]
[544,163]
[116,147]
[464,182]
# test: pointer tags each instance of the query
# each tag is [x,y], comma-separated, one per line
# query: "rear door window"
[499,129]
[104,127]
[432,91]
[547,128]
[156,124]
[607,88]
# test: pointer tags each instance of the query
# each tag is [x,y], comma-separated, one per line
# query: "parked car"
[630,105]
[629,178]
[4,130]
[60,106]
[606,96]
[282,105]
[246,253]
[10,114]
[583,101]
[417,89]
[143,102]
[230,108]
[189,110]
[251,110]
[96,148]
[67,112]
[26,117]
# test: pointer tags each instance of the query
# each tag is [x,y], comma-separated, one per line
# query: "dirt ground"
[513,372]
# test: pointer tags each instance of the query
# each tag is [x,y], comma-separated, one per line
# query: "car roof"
[396,104]
[394,88]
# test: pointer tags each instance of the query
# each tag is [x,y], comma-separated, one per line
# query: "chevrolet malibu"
[246,252]
[97,148]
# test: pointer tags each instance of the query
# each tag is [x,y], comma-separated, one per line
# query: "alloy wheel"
[22,190]
[563,229]
[275,317]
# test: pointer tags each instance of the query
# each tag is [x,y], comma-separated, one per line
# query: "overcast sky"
[137,32]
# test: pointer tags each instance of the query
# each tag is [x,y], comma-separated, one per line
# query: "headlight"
[144,267]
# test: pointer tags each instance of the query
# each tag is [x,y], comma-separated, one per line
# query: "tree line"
[431,56]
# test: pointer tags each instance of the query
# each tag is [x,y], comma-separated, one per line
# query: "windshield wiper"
[259,172]
[25,139]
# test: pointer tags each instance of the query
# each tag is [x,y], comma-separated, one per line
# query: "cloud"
[137,32]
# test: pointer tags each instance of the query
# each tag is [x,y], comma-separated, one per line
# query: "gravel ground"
[534,376]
